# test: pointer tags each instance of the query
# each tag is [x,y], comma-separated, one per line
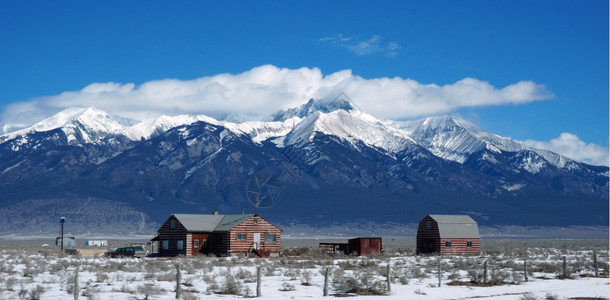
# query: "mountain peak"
[315,105]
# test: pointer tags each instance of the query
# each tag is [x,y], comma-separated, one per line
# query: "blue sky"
[534,71]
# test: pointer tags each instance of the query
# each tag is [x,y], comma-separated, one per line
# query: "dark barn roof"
[456,226]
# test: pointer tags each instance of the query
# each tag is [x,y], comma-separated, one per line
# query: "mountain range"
[323,163]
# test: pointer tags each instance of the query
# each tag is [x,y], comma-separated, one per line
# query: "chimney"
[215,213]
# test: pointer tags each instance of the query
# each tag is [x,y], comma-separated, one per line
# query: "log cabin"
[448,235]
[222,235]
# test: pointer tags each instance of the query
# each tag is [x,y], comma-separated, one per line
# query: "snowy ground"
[29,274]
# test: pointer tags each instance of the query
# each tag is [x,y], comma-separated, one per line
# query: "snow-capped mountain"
[447,137]
[333,162]
[81,125]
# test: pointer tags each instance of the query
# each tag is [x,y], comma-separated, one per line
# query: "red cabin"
[223,235]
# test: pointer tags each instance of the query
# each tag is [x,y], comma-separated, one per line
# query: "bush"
[230,287]
[36,292]
[287,287]
[366,284]
[149,289]
[306,279]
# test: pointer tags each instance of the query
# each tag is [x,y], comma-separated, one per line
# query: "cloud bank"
[261,91]
[570,145]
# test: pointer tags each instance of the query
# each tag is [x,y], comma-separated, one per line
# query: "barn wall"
[458,247]
[428,239]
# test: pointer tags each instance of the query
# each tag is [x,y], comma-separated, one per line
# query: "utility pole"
[62,220]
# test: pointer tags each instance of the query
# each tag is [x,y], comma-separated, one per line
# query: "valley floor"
[29,273]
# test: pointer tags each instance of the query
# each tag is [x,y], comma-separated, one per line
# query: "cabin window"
[165,245]
[255,220]
[240,236]
[469,244]
[448,244]
[195,243]
[270,237]
[172,224]
[428,224]
[180,244]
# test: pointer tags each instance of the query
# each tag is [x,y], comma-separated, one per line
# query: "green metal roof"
[210,223]
[230,221]
[456,226]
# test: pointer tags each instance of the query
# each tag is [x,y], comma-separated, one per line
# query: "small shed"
[223,235]
[365,246]
[448,235]
[362,246]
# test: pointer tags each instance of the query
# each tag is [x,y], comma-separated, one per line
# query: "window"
[255,220]
[448,244]
[270,237]
[172,224]
[195,243]
[165,245]
[240,236]
[469,244]
[180,244]
[428,224]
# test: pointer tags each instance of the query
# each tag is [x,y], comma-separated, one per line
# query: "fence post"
[485,272]
[565,271]
[440,276]
[178,281]
[389,277]
[76,288]
[326,282]
[525,269]
[595,264]
[258,282]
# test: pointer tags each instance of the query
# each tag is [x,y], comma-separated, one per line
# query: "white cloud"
[371,46]
[263,90]
[570,145]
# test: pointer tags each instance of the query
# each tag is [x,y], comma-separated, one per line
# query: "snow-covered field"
[299,274]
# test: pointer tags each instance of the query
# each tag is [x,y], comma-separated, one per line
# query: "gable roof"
[456,226]
[210,223]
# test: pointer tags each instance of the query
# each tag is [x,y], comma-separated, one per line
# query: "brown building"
[362,246]
[223,235]
[448,235]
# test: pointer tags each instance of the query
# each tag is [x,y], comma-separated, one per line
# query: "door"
[257,241]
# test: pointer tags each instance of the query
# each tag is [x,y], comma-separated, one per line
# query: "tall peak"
[325,105]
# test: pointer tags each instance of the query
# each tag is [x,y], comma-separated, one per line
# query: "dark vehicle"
[131,251]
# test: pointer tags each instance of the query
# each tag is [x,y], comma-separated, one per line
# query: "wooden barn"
[223,235]
[448,235]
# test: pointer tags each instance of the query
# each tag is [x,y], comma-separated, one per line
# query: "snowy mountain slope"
[150,128]
[456,139]
[349,127]
[447,137]
[333,162]
[81,125]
